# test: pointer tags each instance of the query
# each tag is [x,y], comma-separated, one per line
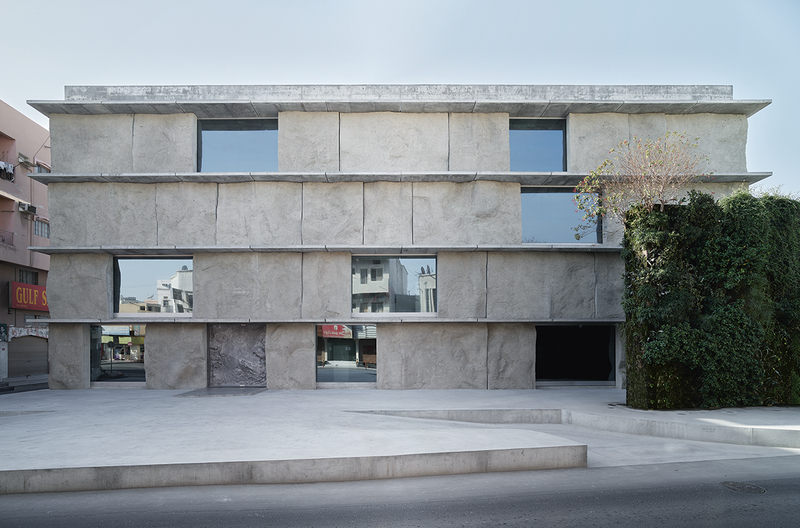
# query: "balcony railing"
[6,238]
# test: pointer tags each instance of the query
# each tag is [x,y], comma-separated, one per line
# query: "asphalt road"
[729,493]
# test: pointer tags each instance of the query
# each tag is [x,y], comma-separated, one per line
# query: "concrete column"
[175,356]
[69,356]
[290,352]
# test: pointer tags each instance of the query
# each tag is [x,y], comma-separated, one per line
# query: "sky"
[752,45]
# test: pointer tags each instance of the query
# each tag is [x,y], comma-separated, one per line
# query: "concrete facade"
[384,171]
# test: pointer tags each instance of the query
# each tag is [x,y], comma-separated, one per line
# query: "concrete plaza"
[115,438]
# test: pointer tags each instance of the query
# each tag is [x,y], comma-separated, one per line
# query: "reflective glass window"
[538,145]
[396,284]
[153,286]
[238,145]
[549,215]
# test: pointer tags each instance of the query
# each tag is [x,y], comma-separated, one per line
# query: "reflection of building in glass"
[175,294]
[427,291]
[380,285]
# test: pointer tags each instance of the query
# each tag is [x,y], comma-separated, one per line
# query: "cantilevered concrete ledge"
[357,250]
[266,101]
[534,179]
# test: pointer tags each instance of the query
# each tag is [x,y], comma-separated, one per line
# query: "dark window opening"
[575,353]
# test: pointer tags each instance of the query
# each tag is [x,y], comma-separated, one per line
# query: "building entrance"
[575,355]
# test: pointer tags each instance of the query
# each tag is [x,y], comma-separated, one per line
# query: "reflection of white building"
[175,294]
[380,285]
[427,292]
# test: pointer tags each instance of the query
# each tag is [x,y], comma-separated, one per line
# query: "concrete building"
[275,196]
[24,222]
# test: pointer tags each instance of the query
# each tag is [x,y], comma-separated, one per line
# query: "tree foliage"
[647,173]
[712,302]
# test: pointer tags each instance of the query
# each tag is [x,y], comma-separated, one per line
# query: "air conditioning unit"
[27,208]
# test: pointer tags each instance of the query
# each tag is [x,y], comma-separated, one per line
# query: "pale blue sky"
[752,45]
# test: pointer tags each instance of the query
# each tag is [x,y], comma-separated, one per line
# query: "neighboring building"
[420,234]
[24,221]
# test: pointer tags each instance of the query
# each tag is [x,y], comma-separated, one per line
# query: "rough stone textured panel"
[236,355]
[512,356]
[271,287]
[723,138]
[175,356]
[610,285]
[591,136]
[290,356]
[333,213]
[432,356]
[68,356]
[394,142]
[461,284]
[387,213]
[308,141]
[326,285]
[164,143]
[102,214]
[481,212]
[479,142]
[80,286]
[91,144]
[186,213]
[646,126]
[259,213]
[541,286]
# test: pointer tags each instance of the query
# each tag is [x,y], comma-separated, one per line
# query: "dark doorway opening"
[575,353]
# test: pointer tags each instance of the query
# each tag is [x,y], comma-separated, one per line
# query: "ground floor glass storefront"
[347,354]
[117,353]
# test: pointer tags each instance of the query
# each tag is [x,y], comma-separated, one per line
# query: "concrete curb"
[751,436]
[291,471]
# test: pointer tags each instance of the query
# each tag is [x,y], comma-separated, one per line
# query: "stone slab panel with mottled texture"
[573,275]
[327,281]
[271,289]
[165,143]
[387,214]
[91,144]
[461,284]
[290,356]
[590,137]
[480,212]
[333,213]
[610,286]
[432,356]
[394,142]
[176,356]
[236,356]
[102,214]
[186,213]
[68,356]
[308,141]
[512,356]
[518,286]
[79,286]
[479,142]
[646,126]
[721,137]
[259,213]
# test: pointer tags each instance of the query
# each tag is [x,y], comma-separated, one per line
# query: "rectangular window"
[363,276]
[538,145]
[237,145]
[29,277]
[41,229]
[549,215]
[153,285]
[397,285]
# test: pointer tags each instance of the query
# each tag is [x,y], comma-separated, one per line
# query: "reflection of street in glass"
[345,371]
[121,370]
